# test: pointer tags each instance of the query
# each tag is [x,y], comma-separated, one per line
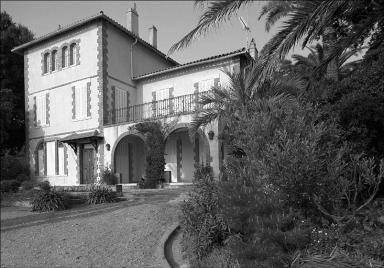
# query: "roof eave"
[189,65]
[20,49]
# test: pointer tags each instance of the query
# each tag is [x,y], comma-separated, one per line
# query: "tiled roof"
[193,63]
[101,15]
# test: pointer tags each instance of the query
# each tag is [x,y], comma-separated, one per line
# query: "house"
[88,83]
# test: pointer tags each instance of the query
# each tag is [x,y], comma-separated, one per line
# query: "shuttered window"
[206,85]
[162,98]
[40,160]
[51,158]
[61,156]
[41,109]
[121,104]
[81,101]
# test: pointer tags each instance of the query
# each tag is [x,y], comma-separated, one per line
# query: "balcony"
[185,104]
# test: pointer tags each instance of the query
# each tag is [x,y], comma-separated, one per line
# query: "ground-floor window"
[50,159]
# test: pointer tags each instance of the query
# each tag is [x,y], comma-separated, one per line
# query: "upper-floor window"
[53,60]
[81,102]
[72,54]
[206,85]
[64,57]
[46,62]
[41,110]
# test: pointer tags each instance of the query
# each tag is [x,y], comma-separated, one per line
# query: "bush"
[108,177]
[155,152]
[101,194]
[203,227]
[49,200]
[44,185]
[22,177]
[9,186]
[27,185]
[11,166]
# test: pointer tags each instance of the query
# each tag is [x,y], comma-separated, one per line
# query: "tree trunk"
[329,40]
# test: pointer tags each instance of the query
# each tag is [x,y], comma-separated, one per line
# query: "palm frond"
[203,119]
[216,13]
[274,11]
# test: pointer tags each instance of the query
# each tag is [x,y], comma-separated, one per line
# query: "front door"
[88,166]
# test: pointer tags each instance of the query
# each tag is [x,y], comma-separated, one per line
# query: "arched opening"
[64,57]
[72,52]
[46,62]
[129,159]
[53,60]
[182,153]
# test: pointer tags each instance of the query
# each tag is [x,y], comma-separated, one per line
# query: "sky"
[173,20]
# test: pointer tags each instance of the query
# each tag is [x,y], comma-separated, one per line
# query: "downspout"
[134,43]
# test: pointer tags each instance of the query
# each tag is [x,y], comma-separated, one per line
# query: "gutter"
[134,43]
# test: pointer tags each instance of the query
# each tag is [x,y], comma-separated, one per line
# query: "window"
[40,160]
[64,57]
[72,54]
[61,159]
[53,60]
[162,98]
[41,109]
[81,102]
[206,85]
[121,104]
[46,63]
[50,159]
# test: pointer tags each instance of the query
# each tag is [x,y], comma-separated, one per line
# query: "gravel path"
[124,237]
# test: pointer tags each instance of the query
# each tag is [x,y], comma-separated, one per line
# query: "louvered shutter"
[73,102]
[89,99]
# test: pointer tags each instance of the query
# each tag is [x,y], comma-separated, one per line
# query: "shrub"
[108,177]
[44,185]
[11,166]
[27,185]
[155,152]
[218,258]
[9,186]
[49,200]
[101,194]
[203,227]
[22,177]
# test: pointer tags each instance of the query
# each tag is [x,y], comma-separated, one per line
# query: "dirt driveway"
[124,234]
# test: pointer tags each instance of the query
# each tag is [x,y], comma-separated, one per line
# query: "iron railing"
[184,104]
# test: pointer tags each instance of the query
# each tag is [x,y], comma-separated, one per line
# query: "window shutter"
[34,111]
[196,86]
[154,103]
[47,109]
[57,157]
[89,99]
[37,160]
[65,160]
[45,159]
[127,106]
[171,101]
[73,102]
[216,82]
[113,103]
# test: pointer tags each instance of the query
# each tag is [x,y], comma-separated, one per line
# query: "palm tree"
[235,96]
[311,67]
[304,22]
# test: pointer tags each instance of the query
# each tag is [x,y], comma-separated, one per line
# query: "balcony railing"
[185,104]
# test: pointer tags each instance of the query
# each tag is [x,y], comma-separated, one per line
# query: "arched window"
[72,54]
[64,57]
[46,62]
[54,60]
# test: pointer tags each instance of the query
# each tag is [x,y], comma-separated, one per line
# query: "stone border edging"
[161,254]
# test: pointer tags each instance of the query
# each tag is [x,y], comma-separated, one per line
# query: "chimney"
[153,36]
[133,20]
[253,50]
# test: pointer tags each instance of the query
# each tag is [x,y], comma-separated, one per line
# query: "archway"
[129,159]
[182,153]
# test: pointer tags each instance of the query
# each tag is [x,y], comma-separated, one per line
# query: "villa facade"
[88,83]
